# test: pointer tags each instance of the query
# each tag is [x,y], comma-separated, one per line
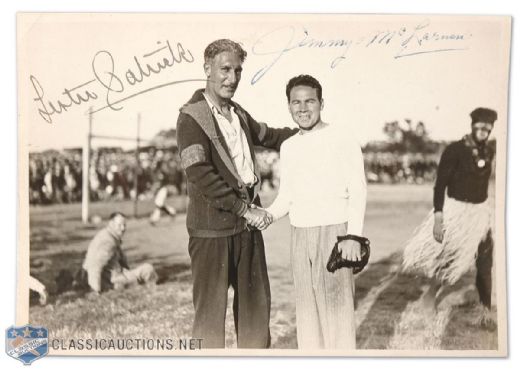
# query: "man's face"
[304,106]
[118,225]
[224,73]
[481,131]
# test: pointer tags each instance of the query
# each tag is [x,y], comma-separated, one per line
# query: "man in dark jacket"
[216,137]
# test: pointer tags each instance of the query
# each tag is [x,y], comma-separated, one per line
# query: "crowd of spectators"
[413,168]
[56,176]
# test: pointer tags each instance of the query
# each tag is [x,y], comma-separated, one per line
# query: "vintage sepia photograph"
[262,184]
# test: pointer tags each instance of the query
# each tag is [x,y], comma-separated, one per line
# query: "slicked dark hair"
[115,214]
[303,80]
[223,45]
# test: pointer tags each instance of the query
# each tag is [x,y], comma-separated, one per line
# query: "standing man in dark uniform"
[461,223]
[216,137]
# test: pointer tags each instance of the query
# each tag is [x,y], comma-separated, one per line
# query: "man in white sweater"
[323,189]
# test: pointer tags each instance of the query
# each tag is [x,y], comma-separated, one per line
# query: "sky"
[373,69]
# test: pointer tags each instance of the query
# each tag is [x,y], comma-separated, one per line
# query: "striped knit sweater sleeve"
[195,149]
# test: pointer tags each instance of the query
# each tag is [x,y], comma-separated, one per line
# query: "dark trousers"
[484,265]
[239,261]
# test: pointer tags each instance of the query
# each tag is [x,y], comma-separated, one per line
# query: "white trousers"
[324,300]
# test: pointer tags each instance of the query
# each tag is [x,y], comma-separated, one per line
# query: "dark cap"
[484,115]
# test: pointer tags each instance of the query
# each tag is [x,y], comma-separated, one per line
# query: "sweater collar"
[200,111]
[197,107]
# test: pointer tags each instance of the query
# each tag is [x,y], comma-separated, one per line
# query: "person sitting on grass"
[106,264]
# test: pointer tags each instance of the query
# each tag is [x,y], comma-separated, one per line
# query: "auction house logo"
[27,343]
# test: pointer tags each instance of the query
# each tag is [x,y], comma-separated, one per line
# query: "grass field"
[388,309]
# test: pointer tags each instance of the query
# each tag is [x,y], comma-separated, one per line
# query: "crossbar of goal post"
[87,148]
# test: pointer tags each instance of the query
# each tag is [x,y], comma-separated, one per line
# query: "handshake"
[258,217]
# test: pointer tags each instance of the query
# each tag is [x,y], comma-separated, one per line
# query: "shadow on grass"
[378,327]
[463,332]
[374,274]
[167,272]
[168,269]
[47,270]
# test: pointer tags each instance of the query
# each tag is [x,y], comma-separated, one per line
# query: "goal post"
[86,155]
[85,189]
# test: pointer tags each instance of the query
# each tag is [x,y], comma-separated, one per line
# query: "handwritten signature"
[110,86]
[409,41]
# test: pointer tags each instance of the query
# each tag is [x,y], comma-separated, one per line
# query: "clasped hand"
[258,217]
